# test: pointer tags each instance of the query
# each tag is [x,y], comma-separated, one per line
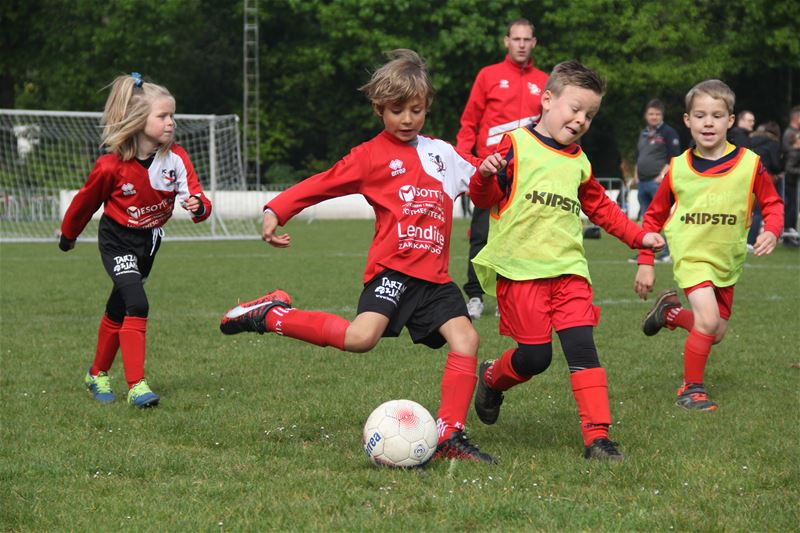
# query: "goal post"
[46,156]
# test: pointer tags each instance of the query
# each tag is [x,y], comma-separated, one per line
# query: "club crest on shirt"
[437,160]
[128,189]
[535,89]
[168,175]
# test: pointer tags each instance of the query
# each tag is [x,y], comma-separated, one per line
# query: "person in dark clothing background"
[765,142]
[740,133]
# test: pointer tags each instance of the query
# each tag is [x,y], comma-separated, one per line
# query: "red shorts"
[531,309]
[724,297]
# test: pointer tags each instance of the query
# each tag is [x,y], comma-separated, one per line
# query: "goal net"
[46,156]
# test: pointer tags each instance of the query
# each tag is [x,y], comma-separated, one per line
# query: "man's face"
[520,42]
[747,122]
[653,117]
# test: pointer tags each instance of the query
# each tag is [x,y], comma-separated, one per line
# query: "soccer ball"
[400,433]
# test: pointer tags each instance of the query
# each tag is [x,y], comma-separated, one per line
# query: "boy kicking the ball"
[411,181]
[534,260]
[705,206]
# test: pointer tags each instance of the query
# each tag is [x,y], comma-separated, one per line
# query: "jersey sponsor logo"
[437,160]
[169,175]
[421,201]
[554,200]
[396,165]
[136,212]
[715,219]
[533,88]
[128,189]
[504,84]
[125,264]
[428,238]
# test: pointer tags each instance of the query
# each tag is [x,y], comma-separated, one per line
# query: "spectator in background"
[658,144]
[791,155]
[765,142]
[739,135]
[504,97]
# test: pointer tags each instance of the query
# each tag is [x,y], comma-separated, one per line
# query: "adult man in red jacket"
[505,96]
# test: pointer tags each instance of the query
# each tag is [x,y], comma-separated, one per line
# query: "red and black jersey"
[135,196]
[504,97]
[411,187]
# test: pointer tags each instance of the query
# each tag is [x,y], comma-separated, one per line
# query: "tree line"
[314,54]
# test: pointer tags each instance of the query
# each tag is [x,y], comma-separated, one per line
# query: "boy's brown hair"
[574,73]
[520,22]
[404,77]
[716,89]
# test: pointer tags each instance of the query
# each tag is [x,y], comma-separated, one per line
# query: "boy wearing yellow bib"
[534,260]
[705,204]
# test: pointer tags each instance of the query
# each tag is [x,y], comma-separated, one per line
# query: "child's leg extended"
[108,334]
[709,328]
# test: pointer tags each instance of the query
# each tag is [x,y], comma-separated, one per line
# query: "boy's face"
[404,120]
[708,120]
[568,116]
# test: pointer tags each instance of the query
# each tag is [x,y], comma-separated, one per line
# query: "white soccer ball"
[400,433]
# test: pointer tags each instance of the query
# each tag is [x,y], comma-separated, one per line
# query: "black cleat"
[655,319]
[487,400]
[603,450]
[252,315]
[458,446]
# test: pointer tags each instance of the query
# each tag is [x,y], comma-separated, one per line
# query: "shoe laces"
[608,446]
[102,383]
[696,392]
[460,442]
[140,388]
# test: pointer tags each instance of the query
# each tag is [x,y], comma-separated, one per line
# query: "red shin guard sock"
[501,375]
[458,384]
[107,345]
[590,388]
[695,356]
[679,317]
[132,341]
[315,327]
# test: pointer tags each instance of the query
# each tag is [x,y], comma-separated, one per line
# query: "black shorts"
[128,254]
[421,306]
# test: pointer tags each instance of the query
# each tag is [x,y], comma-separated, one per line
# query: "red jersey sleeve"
[97,189]
[602,211]
[769,201]
[657,215]
[344,178]
[486,192]
[471,117]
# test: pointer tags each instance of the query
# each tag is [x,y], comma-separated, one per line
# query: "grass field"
[263,433]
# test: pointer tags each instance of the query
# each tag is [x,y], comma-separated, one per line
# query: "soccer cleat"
[655,319]
[475,308]
[487,400]
[99,387]
[692,396]
[252,315]
[458,446]
[603,450]
[140,395]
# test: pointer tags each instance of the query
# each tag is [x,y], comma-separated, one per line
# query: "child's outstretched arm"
[771,206]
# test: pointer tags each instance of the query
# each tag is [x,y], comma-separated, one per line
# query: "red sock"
[316,327]
[590,388]
[458,384]
[107,345]
[132,336]
[501,375]
[695,355]
[679,317]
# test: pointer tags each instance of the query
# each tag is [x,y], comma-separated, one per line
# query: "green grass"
[263,433]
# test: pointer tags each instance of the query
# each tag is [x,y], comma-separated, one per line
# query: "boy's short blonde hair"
[403,78]
[716,89]
[576,74]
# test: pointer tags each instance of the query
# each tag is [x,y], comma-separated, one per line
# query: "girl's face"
[160,126]
[568,116]
[404,120]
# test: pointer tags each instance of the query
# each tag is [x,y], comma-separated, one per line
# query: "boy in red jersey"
[138,182]
[534,260]
[411,181]
[705,205]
